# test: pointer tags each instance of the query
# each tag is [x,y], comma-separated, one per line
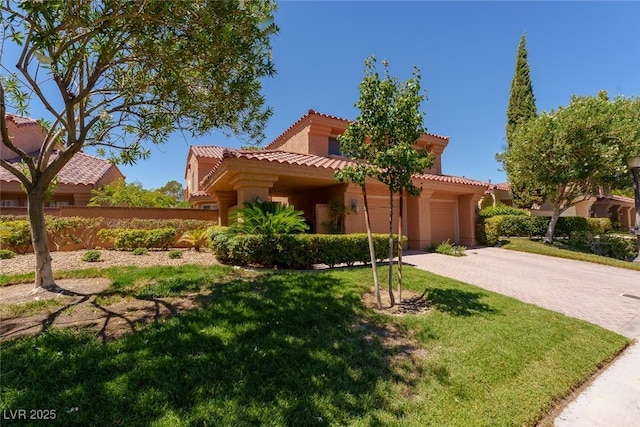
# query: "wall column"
[354,222]
[467,212]
[418,215]
[625,217]
[226,199]
[251,187]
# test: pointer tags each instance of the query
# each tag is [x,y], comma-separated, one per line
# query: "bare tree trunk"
[372,249]
[548,239]
[391,297]
[400,213]
[40,240]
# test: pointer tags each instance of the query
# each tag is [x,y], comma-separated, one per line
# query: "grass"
[523,244]
[288,349]
[12,310]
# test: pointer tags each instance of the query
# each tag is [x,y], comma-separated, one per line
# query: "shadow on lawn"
[280,350]
[458,302]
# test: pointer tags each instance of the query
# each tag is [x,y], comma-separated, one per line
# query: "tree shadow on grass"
[278,350]
[458,302]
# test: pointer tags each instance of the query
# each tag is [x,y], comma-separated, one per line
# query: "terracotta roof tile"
[452,180]
[618,199]
[21,121]
[82,169]
[504,186]
[312,112]
[208,151]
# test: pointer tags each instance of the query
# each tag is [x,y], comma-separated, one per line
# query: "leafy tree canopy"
[569,153]
[119,193]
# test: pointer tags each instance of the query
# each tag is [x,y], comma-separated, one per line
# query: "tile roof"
[208,151]
[82,169]
[310,160]
[452,179]
[21,121]
[618,199]
[312,112]
[504,186]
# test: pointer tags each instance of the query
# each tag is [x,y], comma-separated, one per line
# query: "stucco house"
[604,205]
[298,168]
[77,178]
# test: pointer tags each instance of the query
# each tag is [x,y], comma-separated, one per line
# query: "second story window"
[334,147]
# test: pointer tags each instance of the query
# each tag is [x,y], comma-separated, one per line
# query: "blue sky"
[466,55]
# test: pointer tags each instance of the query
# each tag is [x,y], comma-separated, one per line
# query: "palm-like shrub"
[195,238]
[268,218]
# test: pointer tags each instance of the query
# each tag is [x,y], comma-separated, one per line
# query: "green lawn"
[296,349]
[524,244]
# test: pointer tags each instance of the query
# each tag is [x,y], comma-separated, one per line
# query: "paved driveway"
[579,289]
[587,291]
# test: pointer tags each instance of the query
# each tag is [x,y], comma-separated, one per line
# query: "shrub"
[129,239]
[268,218]
[446,248]
[175,254]
[501,209]
[75,229]
[16,235]
[295,251]
[92,255]
[604,245]
[195,238]
[6,254]
[140,251]
[599,225]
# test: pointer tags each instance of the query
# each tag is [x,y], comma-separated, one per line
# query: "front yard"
[300,348]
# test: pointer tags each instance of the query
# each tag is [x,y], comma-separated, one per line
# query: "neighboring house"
[298,168]
[620,209]
[77,178]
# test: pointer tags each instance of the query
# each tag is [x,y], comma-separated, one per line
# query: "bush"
[446,248]
[6,254]
[175,254]
[295,251]
[130,239]
[16,235]
[92,255]
[75,229]
[140,251]
[604,245]
[501,209]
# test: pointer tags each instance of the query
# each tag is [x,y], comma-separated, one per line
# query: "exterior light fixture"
[634,165]
[354,206]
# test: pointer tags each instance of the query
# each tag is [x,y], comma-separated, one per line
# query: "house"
[619,209]
[77,178]
[298,168]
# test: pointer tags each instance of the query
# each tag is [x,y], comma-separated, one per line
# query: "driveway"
[590,292]
[606,296]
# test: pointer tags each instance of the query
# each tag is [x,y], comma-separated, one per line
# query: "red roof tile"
[21,121]
[208,151]
[618,199]
[312,112]
[82,169]
[452,180]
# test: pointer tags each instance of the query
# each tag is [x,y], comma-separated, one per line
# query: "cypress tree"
[521,109]
[522,103]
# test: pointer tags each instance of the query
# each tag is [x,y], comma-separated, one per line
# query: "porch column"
[418,215]
[625,217]
[583,208]
[251,187]
[226,199]
[467,212]
[354,222]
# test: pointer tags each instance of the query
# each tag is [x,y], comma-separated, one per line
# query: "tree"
[521,109]
[173,189]
[570,153]
[116,74]
[119,193]
[383,135]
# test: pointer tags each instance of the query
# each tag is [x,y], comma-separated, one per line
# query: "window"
[58,203]
[334,147]
[210,207]
[8,203]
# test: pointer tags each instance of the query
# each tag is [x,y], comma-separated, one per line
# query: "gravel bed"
[72,260]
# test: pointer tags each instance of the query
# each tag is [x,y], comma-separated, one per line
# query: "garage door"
[444,220]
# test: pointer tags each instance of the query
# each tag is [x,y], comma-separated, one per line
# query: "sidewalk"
[590,292]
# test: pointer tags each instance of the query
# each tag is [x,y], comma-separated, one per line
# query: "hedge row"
[130,239]
[15,232]
[492,228]
[296,251]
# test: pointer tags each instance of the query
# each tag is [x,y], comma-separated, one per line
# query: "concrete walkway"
[590,292]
